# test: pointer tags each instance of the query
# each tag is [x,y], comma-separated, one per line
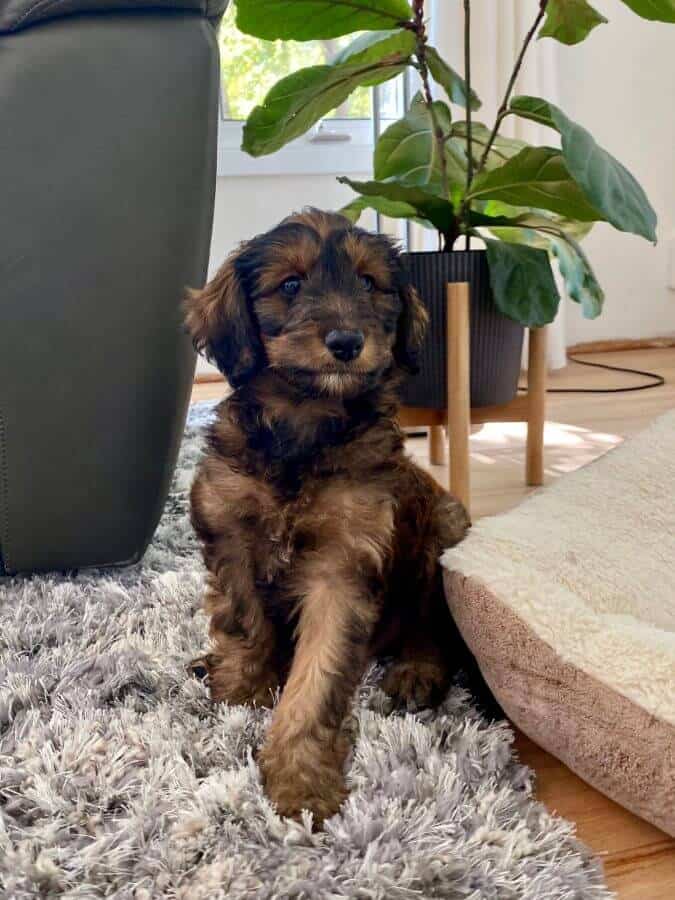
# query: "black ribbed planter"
[496,341]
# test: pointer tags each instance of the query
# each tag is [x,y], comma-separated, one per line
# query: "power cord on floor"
[656,380]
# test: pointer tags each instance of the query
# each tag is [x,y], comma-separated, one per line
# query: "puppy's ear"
[222,325]
[412,326]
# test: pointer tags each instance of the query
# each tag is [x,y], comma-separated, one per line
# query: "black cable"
[656,380]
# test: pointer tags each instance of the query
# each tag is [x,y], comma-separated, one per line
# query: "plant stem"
[439,137]
[503,109]
[467,80]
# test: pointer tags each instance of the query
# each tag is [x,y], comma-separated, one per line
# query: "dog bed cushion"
[568,604]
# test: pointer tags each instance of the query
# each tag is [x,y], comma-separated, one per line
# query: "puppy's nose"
[344,345]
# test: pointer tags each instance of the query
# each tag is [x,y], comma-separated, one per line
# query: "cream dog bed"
[568,603]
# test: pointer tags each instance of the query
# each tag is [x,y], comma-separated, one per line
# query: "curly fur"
[321,536]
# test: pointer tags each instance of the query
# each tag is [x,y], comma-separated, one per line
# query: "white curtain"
[498,28]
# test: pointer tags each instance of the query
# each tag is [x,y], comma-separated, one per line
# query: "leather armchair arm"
[18,14]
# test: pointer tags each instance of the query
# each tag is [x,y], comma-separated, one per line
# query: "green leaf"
[502,148]
[395,209]
[607,184]
[478,219]
[428,206]
[390,208]
[526,219]
[537,176]
[656,10]
[527,228]
[407,151]
[307,20]
[377,47]
[522,283]
[533,108]
[549,234]
[519,215]
[570,21]
[580,280]
[453,84]
[298,101]
[518,235]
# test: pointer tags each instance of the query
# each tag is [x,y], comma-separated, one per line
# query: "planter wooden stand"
[459,417]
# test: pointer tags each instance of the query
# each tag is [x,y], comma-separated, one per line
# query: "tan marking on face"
[306,350]
[370,357]
[368,260]
[272,306]
[287,259]
[302,348]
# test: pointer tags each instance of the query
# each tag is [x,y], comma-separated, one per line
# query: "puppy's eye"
[291,286]
[367,283]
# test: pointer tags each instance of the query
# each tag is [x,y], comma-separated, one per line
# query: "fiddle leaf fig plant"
[460,176]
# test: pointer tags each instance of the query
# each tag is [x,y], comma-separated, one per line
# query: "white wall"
[246,206]
[619,84]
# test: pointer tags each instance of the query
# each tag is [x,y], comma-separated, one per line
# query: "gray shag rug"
[118,778]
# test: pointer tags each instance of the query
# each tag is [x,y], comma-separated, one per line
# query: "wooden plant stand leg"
[436,445]
[459,389]
[536,402]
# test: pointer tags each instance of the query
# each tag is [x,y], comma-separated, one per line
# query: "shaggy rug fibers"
[118,778]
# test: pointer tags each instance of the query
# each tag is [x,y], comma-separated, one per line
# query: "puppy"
[320,536]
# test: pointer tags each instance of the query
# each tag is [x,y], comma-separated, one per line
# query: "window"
[341,143]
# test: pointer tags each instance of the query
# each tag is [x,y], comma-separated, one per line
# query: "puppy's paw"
[292,787]
[228,684]
[417,682]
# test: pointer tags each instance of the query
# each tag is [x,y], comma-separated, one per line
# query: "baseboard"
[614,346]
[208,377]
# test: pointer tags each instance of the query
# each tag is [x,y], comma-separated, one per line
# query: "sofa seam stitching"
[47,4]
[31,9]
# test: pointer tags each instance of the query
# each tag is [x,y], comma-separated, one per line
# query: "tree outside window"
[250,67]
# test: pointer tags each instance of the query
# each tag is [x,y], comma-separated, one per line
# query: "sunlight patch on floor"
[556,434]
[567,447]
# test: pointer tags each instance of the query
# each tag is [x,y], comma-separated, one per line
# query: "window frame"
[310,154]
[313,153]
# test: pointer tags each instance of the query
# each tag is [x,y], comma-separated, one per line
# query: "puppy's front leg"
[303,758]
[335,582]
[240,665]
[230,511]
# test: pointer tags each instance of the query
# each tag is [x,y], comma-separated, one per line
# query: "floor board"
[639,859]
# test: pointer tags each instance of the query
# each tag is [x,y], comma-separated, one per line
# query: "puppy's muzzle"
[344,345]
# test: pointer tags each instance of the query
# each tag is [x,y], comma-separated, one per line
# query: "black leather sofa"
[107,177]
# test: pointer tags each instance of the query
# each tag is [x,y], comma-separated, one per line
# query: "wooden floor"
[639,860]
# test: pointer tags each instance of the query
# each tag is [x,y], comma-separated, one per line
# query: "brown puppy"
[321,537]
